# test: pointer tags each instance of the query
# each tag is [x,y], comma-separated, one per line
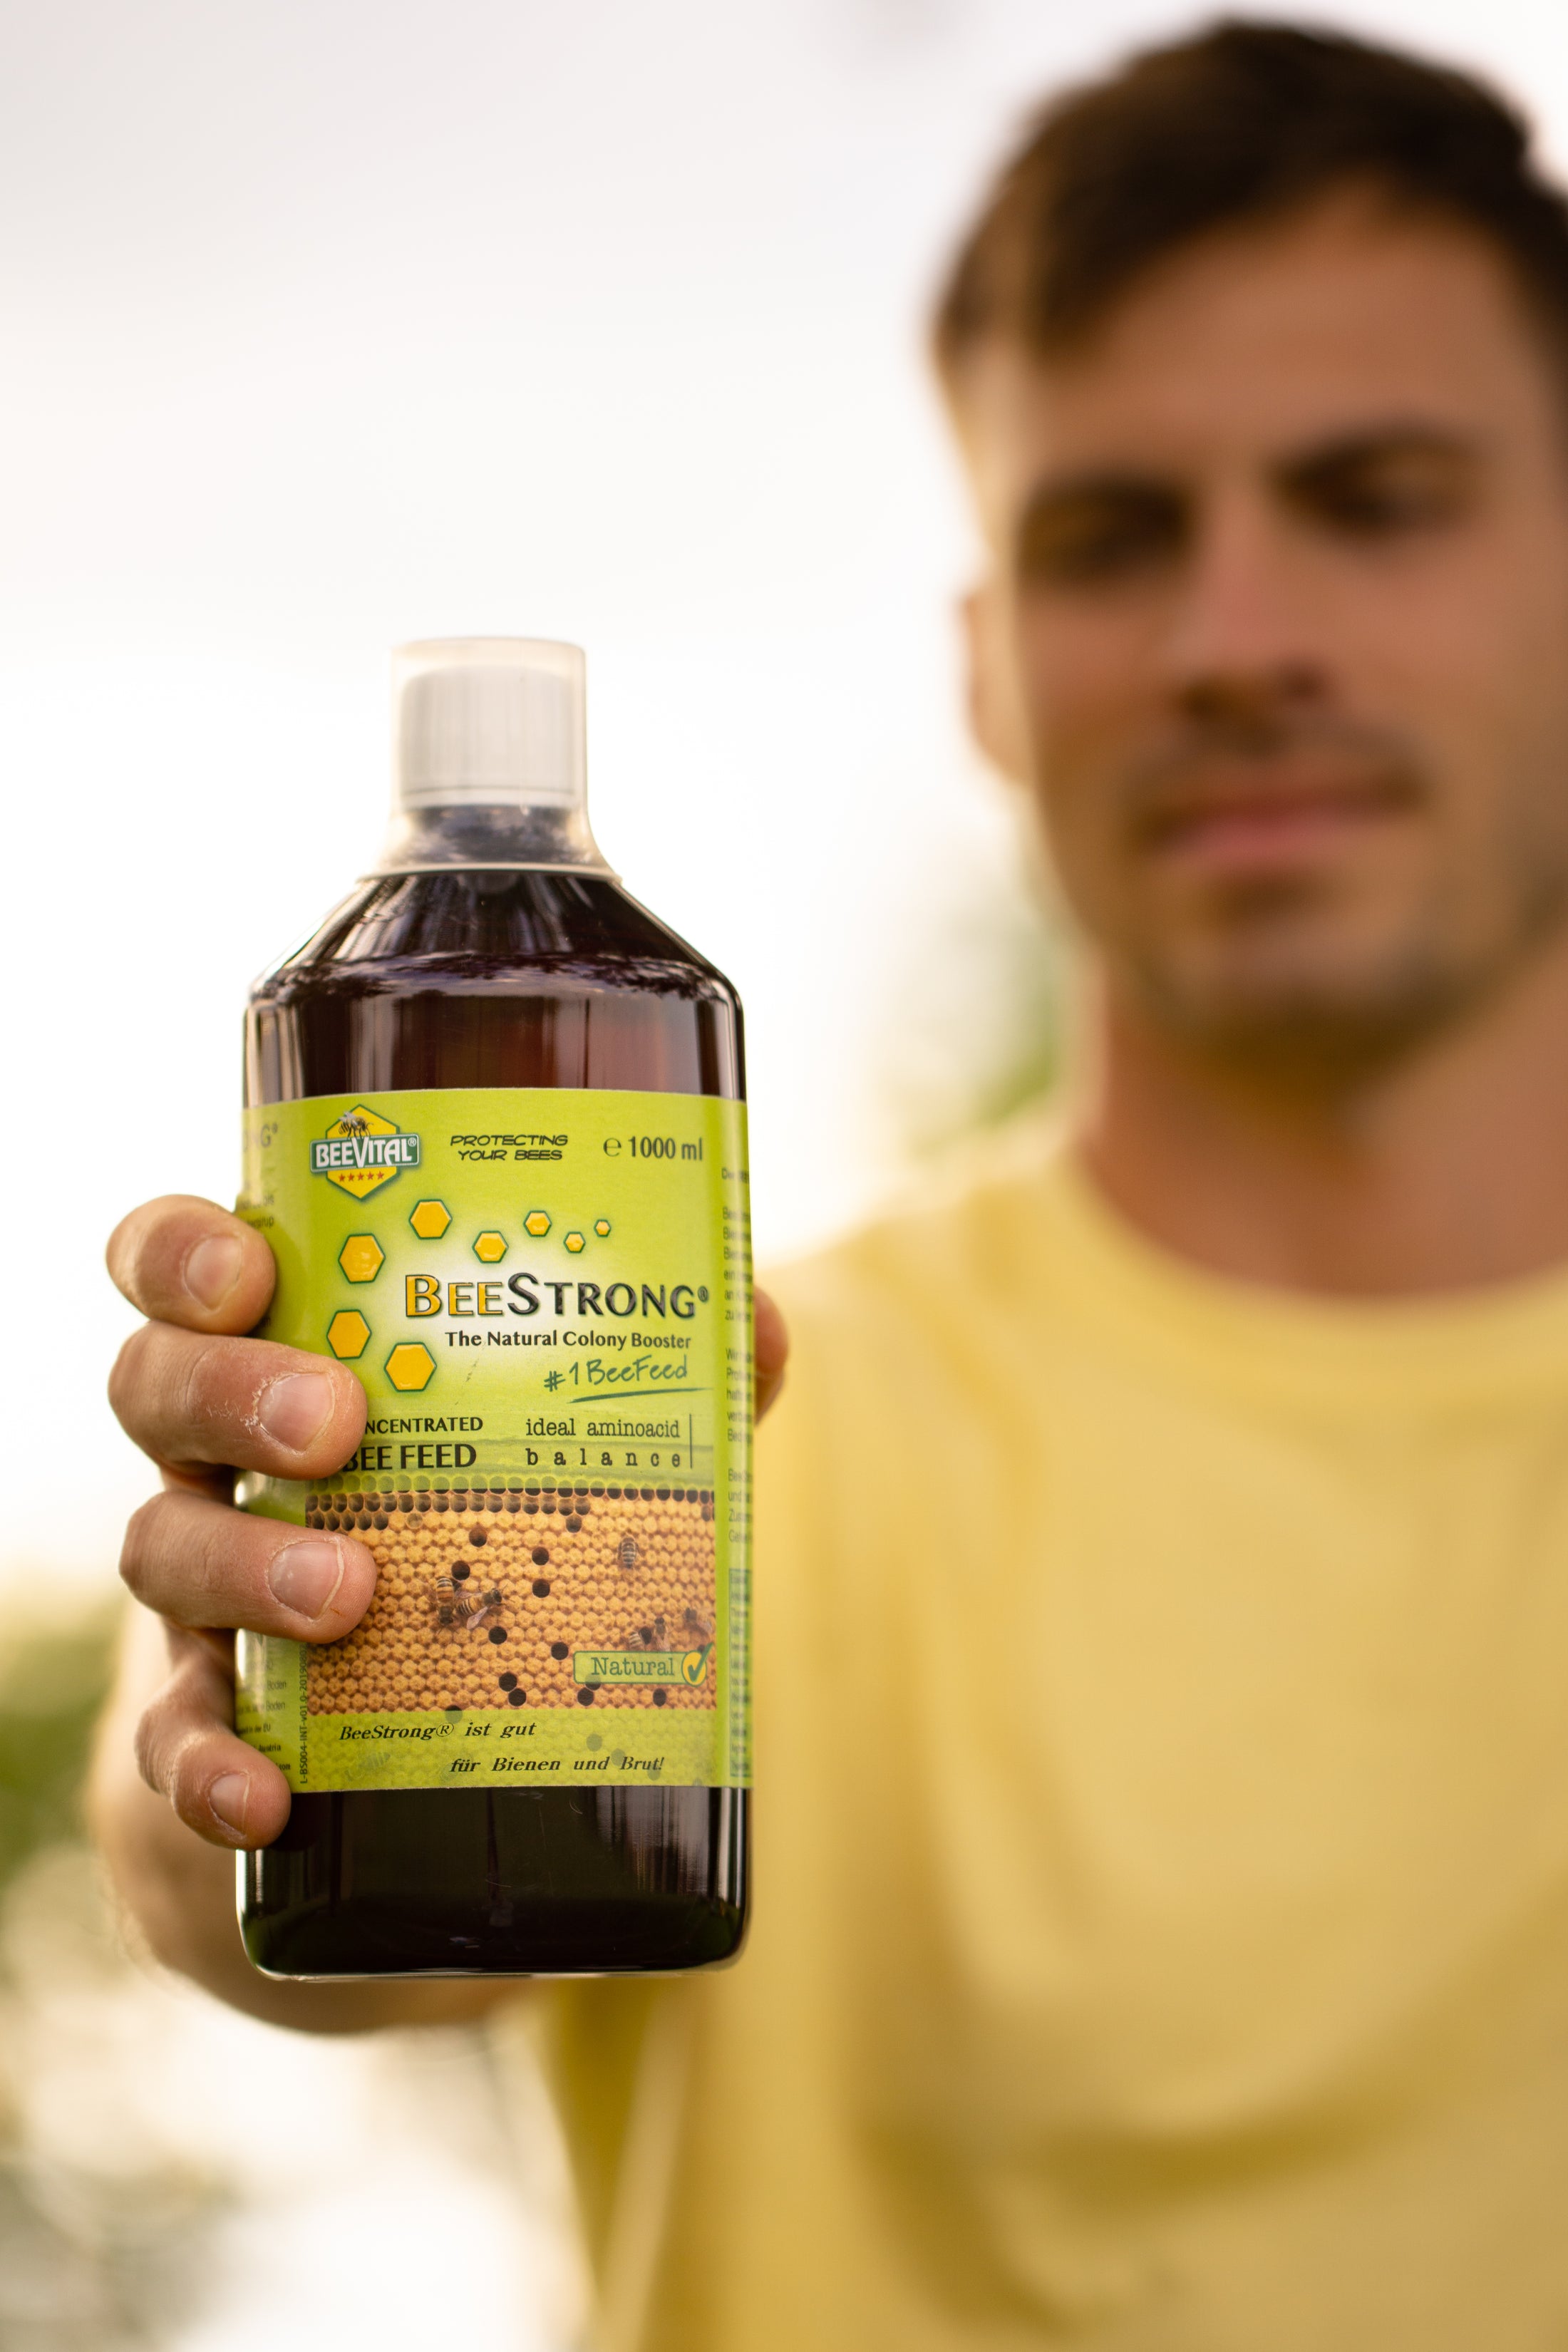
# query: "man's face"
[1278,628]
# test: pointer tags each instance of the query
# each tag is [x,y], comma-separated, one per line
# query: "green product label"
[547,1296]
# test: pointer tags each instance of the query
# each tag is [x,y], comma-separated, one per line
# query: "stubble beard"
[1269,981]
[1318,1032]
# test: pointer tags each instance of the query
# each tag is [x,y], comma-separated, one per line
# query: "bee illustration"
[626,1553]
[354,1122]
[696,1623]
[650,1637]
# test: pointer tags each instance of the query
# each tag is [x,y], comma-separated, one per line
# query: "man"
[1162,1940]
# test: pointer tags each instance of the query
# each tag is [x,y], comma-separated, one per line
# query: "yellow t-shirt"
[1160,1938]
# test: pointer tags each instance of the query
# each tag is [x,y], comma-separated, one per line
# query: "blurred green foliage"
[53,1677]
[104,2238]
[975,1028]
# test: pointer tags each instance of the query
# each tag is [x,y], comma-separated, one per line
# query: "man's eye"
[1386,502]
[1100,540]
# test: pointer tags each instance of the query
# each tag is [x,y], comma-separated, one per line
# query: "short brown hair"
[1242,121]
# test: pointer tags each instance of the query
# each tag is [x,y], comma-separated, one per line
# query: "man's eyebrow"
[1357,444]
[1089,483]
[1372,445]
[1055,497]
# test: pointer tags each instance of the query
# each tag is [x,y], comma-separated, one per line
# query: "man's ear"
[996,707]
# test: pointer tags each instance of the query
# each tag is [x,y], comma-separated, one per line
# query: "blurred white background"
[329,323]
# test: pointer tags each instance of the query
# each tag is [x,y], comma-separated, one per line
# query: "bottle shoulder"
[510,930]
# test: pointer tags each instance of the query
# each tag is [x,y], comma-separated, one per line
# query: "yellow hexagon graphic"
[429,1220]
[348,1334]
[602,1227]
[410,1366]
[573,1242]
[491,1247]
[537,1222]
[361,1258]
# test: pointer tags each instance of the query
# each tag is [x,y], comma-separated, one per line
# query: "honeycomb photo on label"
[532,1594]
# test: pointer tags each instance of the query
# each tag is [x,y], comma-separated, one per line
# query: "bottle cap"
[488,722]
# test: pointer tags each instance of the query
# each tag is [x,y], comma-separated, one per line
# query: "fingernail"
[213,1267]
[295,1410]
[306,1575]
[228,1797]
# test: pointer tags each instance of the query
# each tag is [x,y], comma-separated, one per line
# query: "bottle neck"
[424,840]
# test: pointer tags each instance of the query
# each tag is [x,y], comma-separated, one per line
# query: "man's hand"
[770,1350]
[204,1400]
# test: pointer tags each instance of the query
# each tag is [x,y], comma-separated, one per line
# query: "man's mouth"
[1266,818]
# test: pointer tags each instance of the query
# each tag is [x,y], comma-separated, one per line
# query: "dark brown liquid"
[504,978]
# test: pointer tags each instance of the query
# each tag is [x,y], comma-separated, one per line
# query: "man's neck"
[1446,1170]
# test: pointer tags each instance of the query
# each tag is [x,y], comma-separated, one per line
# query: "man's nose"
[1240,641]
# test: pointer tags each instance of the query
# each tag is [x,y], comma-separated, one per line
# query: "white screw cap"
[489,720]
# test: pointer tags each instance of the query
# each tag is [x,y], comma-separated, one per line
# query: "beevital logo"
[361,1152]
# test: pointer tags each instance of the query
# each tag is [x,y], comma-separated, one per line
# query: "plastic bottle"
[495,1134]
